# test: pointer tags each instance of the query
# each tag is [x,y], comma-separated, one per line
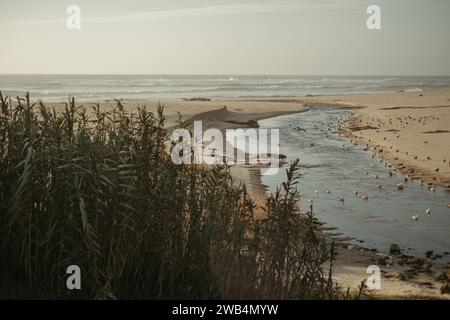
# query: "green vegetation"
[99,190]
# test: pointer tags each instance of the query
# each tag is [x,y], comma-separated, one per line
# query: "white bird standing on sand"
[414,217]
[428,211]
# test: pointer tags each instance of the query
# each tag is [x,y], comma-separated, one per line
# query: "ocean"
[101,87]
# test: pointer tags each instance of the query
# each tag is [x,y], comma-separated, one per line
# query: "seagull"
[355,192]
[432,189]
[400,186]
[365,197]
[366,173]
[316,192]
[328,191]
[341,199]
[378,186]
[428,211]
[310,200]
[414,217]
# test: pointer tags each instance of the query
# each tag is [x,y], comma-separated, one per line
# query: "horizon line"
[225,74]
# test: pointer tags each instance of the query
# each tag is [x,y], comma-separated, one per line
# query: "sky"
[277,37]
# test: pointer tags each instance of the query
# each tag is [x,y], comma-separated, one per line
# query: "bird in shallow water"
[340,199]
[432,189]
[414,217]
[355,192]
[400,186]
[365,197]
[428,211]
[378,186]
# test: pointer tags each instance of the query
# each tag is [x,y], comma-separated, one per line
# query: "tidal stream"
[332,162]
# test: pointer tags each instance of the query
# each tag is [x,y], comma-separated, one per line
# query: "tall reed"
[99,190]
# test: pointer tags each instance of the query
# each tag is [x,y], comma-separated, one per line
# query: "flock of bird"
[392,171]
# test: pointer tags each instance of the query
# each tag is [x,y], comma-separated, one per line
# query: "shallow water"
[330,162]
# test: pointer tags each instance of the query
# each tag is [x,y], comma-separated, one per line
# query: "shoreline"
[411,130]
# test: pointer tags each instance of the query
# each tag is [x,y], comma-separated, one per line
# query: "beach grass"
[99,190]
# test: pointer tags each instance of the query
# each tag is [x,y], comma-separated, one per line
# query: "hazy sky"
[225,37]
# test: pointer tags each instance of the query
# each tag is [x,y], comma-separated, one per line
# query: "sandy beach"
[409,129]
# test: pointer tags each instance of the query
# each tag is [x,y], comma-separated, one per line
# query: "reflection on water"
[330,162]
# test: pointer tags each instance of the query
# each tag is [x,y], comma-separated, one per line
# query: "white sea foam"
[185,86]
